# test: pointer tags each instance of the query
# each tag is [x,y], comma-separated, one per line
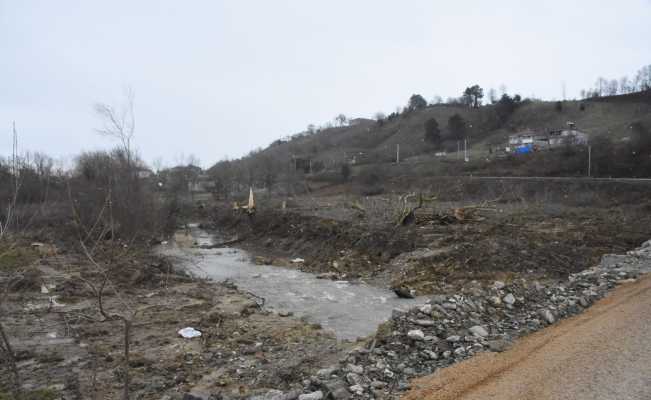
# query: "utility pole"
[589,161]
[458,149]
[465,150]
[398,153]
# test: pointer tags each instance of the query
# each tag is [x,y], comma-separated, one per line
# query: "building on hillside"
[530,140]
[526,142]
[564,137]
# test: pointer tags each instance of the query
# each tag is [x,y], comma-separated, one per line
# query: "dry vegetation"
[87,311]
[460,230]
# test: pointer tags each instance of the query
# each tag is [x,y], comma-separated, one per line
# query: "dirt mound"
[434,254]
[327,245]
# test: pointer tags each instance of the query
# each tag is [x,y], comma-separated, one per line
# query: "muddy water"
[350,310]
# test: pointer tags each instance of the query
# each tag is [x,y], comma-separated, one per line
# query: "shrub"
[432,131]
[457,127]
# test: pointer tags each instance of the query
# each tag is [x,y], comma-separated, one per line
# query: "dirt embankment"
[326,244]
[358,237]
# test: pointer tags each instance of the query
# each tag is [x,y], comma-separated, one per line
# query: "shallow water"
[350,310]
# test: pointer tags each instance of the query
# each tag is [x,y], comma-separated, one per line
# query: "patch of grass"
[15,256]
[38,394]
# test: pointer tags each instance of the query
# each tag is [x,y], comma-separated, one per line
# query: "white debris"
[357,389]
[416,334]
[318,395]
[189,333]
[548,316]
[478,330]
[431,354]
[54,303]
[509,299]
[426,309]
[298,260]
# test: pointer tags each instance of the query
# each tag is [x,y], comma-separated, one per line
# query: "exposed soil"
[64,349]
[351,236]
[52,316]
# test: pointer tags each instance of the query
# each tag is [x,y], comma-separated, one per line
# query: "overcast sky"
[219,78]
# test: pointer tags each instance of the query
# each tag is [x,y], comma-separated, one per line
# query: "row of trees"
[609,87]
[103,205]
[471,97]
[30,181]
[457,127]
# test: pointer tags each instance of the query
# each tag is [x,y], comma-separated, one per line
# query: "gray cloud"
[218,78]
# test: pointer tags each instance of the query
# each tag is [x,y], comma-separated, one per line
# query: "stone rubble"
[450,328]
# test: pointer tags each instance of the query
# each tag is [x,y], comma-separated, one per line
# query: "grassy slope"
[605,116]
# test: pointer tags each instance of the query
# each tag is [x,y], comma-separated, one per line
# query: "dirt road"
[604,353]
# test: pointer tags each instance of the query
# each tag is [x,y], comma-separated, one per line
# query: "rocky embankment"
[448,329]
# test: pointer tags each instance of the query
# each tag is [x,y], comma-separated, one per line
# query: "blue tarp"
[527,148]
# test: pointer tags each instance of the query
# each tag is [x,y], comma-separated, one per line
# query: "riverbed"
[349,309]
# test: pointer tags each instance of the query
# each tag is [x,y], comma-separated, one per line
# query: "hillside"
[320,154]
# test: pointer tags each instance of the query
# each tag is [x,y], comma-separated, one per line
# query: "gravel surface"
[604,353]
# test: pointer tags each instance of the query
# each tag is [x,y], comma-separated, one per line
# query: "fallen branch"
[222,244]
[259,300]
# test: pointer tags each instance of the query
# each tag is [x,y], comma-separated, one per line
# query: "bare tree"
[600,86]
[127,318]
[643,78]
[341,119]
[15,187]
[193,161]
[94,236]
[624,85]
[158,164]
[119,124]
[492,95]
[611,87]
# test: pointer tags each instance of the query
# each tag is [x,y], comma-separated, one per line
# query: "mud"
[353,237]
[63,348]
[350,310]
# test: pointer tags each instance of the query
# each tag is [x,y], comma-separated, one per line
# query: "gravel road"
[604,353]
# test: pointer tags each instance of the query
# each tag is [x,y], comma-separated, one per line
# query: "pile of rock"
[451,328]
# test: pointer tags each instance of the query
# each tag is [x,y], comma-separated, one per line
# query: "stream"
[350,310]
